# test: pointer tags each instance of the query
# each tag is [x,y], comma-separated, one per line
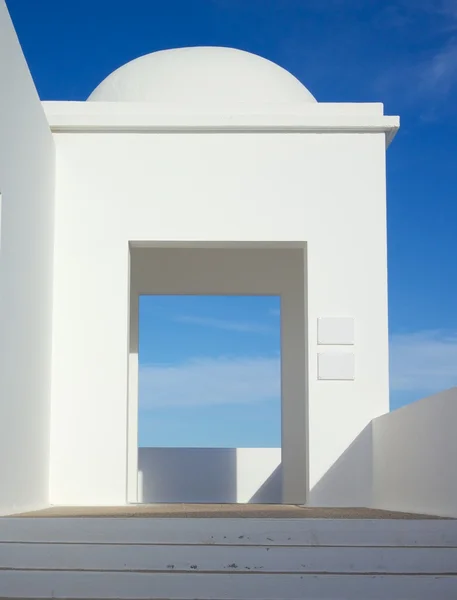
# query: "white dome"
[203,76]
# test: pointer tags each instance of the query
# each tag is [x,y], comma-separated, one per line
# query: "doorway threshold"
[224,511]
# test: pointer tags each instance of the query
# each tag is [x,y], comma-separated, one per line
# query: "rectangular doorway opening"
[209,399]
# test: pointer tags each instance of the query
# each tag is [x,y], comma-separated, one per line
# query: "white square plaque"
[336,331]
[336,366]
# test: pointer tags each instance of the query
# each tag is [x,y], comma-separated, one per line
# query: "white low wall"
[213,475]
[415,457]
[405,460]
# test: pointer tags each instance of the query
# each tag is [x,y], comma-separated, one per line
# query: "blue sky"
[400,52]
[210,371]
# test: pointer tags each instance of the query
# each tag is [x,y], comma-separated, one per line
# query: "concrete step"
[243,531]
[227,559]
[222,586]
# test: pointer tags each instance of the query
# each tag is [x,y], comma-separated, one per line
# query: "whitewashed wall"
[404,460]
[349,481]
[216,475]
[415,457]
[326,190]
[26,254]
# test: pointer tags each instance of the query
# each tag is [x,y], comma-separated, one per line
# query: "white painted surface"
[165,176]
[349,481]
[195,586]
[336,366]
[228,558]
[335,331]
[132,117]
[175,188]
[415,450]
[205,475]
[61,114]
[258,475]
[27,236]
[238,532]
[199,76]
[134,477]
[404,461]
[243,559]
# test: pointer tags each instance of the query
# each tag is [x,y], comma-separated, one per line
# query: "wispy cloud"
[403,13]
[225,324]
[210,381]
[445,9]
[423,362]
[429,75]
[438,73]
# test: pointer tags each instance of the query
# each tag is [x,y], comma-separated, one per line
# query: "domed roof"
[203,76]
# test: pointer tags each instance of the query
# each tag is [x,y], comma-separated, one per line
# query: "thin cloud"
[423,362]
[404,12]
[439,73]
[210,381]
[431,76]
[441,15]
[430,85]
[446,9]
[227,325]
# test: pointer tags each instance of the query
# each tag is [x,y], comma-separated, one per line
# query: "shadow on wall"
[187,475]
[415,449]
[349,481]
[271,491]
[403,460]
[209,475]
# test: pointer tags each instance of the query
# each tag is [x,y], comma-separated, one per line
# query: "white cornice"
[76,117]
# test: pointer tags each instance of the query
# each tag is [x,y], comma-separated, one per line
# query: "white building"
[200,171]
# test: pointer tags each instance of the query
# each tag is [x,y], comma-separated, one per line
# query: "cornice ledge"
[134,123]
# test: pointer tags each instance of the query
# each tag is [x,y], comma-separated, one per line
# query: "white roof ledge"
[128,117]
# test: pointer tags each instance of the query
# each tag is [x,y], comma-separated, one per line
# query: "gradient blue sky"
[400,52]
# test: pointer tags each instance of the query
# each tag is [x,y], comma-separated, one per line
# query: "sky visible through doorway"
[209,372]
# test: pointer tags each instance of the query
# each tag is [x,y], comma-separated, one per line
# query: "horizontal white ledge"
[96,585]
[224,245]
[267,108]
[226,559]
[145,109]
[133,118]
[239,532]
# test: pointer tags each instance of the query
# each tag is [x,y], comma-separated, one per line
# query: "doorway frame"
[284,275]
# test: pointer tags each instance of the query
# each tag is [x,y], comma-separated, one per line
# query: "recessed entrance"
[209,421]
[213,418]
